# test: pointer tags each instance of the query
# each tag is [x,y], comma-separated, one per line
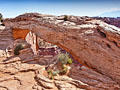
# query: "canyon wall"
[92,42]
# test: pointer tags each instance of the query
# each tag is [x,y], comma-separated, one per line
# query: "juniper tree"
[1,16]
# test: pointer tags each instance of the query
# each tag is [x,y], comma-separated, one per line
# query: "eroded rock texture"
[16,75]
[92,42]
[110,20]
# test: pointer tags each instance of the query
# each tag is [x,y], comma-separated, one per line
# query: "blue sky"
[12,8]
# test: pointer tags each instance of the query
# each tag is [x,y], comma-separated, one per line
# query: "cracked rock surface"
[93,43]
[16,75]
[22,76]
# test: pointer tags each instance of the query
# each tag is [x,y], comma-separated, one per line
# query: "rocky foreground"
[93,43]
[16,75]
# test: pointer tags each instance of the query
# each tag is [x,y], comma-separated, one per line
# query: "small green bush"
[49,71]
[18,48]
[51,74]
[64,59]
[64,70]
[69,61]
[65,18]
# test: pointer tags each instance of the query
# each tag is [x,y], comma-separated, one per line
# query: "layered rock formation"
[6,40]
[15,75]
[112,21]
[93,43]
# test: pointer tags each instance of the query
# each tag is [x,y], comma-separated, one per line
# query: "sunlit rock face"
[31,39]
[2,27]
[92,42]
[20,33]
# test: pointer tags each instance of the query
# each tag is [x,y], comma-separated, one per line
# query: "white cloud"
[107,10]
[110,10]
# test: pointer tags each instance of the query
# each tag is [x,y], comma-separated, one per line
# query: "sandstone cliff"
[93,43]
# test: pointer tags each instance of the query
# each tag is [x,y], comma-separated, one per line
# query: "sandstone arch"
[81,39]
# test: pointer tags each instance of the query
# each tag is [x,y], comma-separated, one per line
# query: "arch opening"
[41,47]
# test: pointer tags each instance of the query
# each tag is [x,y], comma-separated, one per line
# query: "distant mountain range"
[111,14]
[110,20]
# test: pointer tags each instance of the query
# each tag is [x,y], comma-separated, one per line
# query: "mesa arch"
[23,34]
[91,42]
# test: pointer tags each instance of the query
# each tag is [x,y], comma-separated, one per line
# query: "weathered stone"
[93,43]
[110,20]
[64,86]
[6,40]
[2,27]
[92,78]
[2,53]
[25,76]
[98,50]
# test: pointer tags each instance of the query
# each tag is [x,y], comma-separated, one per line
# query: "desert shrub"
[1,20]
[64,59]
[52,73]
[49,71]
[69,61]
[1,16]
[65,18]
[64,70]
[18,48]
